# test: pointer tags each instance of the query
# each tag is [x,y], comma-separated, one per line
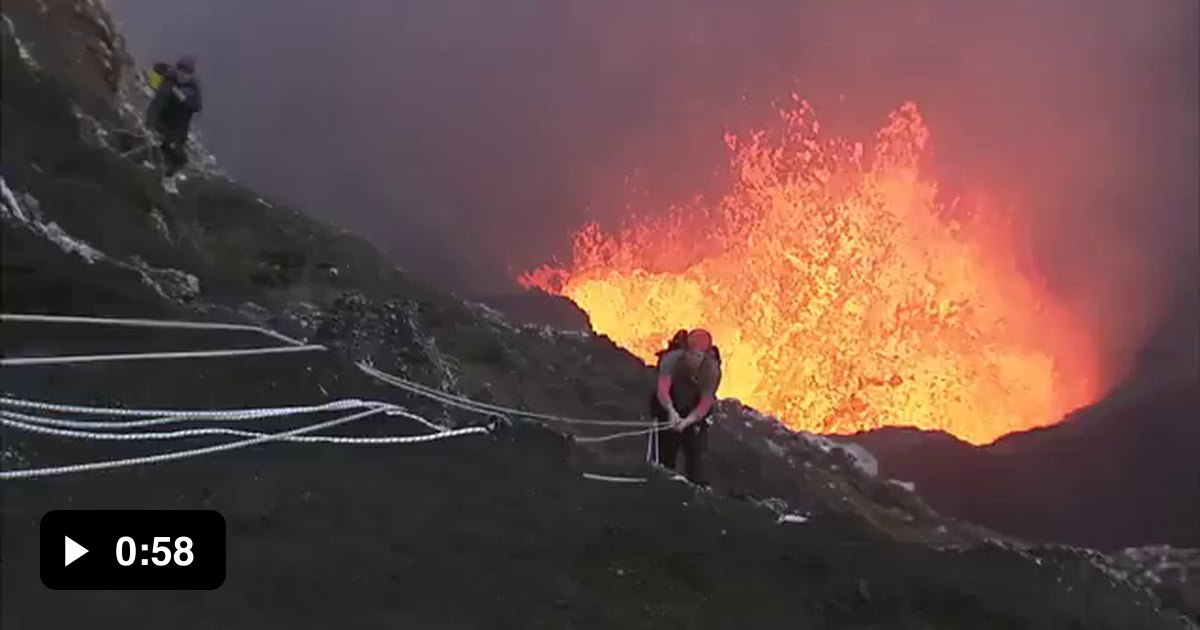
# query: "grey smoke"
[468,137]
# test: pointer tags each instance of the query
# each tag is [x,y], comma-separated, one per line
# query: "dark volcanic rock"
[537,307]
[498,530]
[1173,574]
[1121,472]
[385,335]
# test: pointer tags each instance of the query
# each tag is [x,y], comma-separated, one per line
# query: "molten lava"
[842,294]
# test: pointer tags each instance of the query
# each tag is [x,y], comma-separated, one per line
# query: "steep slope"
[500,530]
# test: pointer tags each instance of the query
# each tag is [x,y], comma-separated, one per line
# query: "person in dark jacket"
[685,391]
[175,101]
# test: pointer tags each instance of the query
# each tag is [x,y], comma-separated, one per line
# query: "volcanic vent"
[845,292]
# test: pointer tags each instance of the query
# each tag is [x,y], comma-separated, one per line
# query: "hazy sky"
[470,136]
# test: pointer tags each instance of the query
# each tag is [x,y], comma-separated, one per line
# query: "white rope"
[191,414]
[99,425]
[177,455]
[144,323]
[613,436]
[421,390]
[135,356]
[649,429]
[473,405]
[7,420]
[174,455]
[609,478]
[461,402]
[396,410]
[175,416]
[652,447]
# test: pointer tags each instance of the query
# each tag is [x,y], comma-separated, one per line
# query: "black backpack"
[679,341]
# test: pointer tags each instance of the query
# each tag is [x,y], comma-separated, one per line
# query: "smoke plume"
[470,138]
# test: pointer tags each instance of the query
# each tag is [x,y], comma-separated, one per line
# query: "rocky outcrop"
[1173,575]
[536,307]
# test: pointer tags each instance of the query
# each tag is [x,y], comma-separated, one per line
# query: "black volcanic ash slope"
[496,531]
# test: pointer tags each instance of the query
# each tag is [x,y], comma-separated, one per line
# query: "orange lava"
[842,295]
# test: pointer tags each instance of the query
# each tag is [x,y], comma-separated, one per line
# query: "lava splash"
[843,294]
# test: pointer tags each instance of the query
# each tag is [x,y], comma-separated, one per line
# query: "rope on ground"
[614,479]
[101,425]
[191,414]
[480,407]
[169,416]
[7,419]
[417,388]
[177,455]
[145,323]
[461,402]
[649,429]
[137,356]
[613,436]
[425,392]
[29,473]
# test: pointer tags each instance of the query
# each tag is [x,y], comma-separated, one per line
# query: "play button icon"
[74,551]
[116,550]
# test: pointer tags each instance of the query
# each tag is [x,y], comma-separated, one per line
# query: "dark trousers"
[174,157]
[173,150]
[692,441]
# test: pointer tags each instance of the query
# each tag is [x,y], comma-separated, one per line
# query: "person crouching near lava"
[689,373]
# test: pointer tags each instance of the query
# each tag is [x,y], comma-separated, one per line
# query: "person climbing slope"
[175,101]
[689,373]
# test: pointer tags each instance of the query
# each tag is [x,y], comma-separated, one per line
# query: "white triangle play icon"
[74,551]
